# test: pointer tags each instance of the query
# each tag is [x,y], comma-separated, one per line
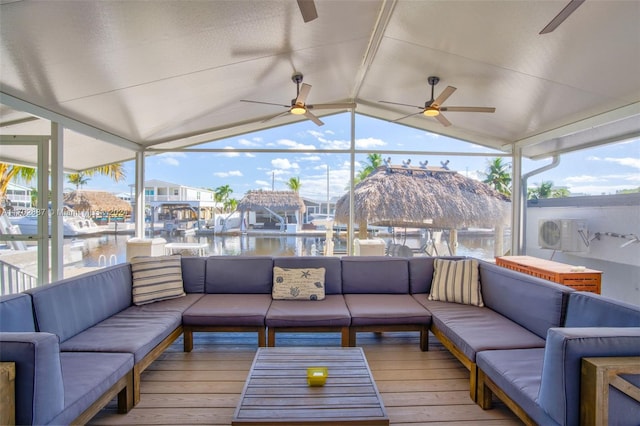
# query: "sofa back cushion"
[16,313]
[239,274]
[592,310]
[559,394]
[39,392]
[375,274]
[193,274]
[534,303]
[331,265]
[421,272]
[70,306]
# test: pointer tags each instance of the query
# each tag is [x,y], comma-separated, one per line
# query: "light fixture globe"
[431,112]
[298,110]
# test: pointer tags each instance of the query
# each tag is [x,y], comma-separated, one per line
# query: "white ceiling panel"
[170,74]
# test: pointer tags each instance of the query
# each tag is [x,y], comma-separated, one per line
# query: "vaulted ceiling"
[123,76]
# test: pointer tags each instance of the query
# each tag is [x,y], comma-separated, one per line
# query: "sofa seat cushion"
[518,373]
[176,306]
[330,312]
[134,330]
[228,310]
[87,376]
[473,329]
[386,309]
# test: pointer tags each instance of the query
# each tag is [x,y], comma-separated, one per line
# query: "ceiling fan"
[433,108]
[560,17]
[308,10]
[298,104]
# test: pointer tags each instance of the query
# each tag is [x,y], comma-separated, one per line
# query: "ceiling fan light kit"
[433,107]
[431,112]
[298,105]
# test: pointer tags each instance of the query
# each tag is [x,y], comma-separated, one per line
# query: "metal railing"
[14,280]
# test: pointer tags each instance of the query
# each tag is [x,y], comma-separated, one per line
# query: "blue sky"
[602,170]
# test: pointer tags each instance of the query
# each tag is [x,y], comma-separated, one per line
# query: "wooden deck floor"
[204,386]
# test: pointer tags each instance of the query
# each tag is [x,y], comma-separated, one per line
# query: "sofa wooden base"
[271,333]
[487,388]
[148,359]
[470,365]
[190,329]
[123,389]
[379,328]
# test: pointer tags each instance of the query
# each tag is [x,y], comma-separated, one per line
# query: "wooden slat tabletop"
[276,391]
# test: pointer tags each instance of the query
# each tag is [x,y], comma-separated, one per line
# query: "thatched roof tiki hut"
[425,197]
[99,205]
[276,203]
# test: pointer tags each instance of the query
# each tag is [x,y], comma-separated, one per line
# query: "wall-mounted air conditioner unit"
[562,234]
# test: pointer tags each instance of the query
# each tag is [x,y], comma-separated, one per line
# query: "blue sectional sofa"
[58,333]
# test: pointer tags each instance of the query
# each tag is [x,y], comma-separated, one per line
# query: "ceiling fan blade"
[443,96]
[560,17]
[275,116]
[468,109]
[406,116]
[304,92]
[333,106]
[441,118]
[313,118]
[308,10]
[265,103]
[396,103]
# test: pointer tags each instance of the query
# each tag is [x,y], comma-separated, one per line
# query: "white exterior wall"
[620,265]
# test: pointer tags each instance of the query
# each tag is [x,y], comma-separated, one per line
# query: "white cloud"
[171,158]
[234,173]
[310,158]
[623,161]
[262,183]
[284,163]
[247,142]
[229,154]
[581,179]
[369,143]
[293,144]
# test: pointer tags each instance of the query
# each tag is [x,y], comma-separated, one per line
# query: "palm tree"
[543,190]
[230,205]
[498,176]
[222,194]
[375,161]
[294,184]
[78,179]
[8,172]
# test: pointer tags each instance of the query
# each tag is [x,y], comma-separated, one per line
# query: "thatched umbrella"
[97,203]
[271,201]
[429,197]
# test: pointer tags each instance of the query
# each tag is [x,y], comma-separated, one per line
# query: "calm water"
[111,249]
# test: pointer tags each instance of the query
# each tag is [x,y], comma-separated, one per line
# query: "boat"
[74,224]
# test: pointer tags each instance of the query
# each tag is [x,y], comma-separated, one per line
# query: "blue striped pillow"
[456,281]
[156,278]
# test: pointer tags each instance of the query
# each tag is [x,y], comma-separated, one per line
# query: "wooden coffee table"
[276,390]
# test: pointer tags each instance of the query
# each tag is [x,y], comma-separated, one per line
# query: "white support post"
[517,202]
[57,202]
[43,212]
[139,195]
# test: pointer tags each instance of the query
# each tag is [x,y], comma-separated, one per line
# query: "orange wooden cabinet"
[569,275]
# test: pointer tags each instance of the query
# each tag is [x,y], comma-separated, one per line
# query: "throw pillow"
[298,284]
[456,281]
[156,278]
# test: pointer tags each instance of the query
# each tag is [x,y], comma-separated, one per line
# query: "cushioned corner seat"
[54,387]
[376,291]
[542,385]
[328,315]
